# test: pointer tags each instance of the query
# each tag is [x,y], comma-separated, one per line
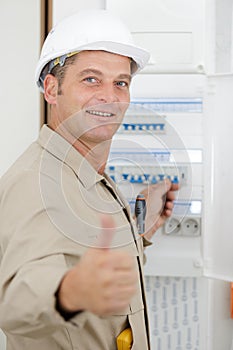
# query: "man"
[71,258]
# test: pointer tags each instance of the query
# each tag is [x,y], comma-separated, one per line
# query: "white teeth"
[102,114]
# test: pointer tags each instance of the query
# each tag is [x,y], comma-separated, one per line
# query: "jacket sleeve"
[33,261]
[28,298]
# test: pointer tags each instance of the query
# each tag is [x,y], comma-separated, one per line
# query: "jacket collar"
[66,153]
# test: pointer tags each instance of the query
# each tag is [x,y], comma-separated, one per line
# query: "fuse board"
[155,143]
[142,156]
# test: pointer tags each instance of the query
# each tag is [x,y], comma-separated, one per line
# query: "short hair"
[60,71]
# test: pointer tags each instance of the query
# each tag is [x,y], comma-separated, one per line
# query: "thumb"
[107,232]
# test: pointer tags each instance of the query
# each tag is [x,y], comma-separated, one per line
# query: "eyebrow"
[125,76]
[97,72]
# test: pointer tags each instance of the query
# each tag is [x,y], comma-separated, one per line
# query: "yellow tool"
[125,340]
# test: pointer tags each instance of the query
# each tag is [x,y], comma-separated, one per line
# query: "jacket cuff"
[67,315]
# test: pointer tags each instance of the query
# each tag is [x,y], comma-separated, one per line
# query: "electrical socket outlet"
[188,226]
[172,226]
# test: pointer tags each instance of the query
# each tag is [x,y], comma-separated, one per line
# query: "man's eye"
[122,84]
[90,80]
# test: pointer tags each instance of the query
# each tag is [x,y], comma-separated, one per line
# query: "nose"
[107,93]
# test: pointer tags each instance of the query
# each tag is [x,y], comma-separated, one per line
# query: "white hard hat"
[89,30]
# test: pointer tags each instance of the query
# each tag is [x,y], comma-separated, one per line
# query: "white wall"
[19,97]
[62,9]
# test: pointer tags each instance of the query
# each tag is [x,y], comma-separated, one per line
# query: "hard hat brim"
[139,55]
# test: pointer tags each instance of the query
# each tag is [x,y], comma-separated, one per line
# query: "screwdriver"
[140,213]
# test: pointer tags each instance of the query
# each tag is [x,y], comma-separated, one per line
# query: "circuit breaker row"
[142,127]
[140,120]
[147,174]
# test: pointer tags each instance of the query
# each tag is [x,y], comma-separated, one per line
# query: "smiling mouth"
[100,113]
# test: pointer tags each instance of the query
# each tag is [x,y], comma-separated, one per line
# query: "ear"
[50,89]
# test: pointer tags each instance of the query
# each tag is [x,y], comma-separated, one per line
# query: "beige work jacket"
[50,204]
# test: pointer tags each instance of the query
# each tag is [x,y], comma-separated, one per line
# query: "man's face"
[95,92]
